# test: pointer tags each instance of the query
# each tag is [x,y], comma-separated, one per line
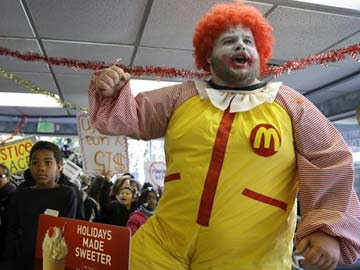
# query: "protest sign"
[75,244]
[15,154]
[101,153]
[155,173]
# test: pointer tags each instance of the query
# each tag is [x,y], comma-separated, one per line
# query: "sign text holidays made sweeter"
[93,242]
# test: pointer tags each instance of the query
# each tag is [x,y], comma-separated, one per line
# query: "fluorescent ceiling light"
[356,156]
[350,4]
[27,100]
[38,100]
[148,85]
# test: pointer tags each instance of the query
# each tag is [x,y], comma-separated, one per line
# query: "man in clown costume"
[238,152]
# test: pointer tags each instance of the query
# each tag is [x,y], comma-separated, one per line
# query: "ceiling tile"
[74,84]
[316,76]
[32,111]
[13,21]
[301,33]
[9,111]
[320,97]
[344,87]
[88,20]
[350,41]
[43,111]
[355,39]
[87,52]
[164,57]
[43,80]
[16,65]
[171,23]
[106,30]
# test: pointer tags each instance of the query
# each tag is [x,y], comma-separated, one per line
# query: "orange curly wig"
[223,16]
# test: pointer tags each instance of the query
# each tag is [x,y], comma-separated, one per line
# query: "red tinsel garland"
[154,71]
[171,72]
[16,131]
[320,59]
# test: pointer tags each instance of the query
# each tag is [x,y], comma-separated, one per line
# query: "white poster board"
[155,173]
[101,153]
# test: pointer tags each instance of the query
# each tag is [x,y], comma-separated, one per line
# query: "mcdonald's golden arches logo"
[265,140]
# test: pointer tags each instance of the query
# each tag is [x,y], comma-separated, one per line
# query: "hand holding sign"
[108,175]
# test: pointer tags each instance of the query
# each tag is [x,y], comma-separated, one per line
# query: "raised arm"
[115,111]
[104,200]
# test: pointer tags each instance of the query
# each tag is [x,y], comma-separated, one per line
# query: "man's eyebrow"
[229,36]
[46,158]
[247,36]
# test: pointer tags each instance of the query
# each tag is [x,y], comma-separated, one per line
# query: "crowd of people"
[123,202]
[241,153]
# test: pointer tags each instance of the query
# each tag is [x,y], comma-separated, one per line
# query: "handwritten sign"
[155,173]
[82,245]
[15,155]
[101,152]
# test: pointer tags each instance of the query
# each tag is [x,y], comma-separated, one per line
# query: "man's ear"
[59,168]
[60,165]
[208,58]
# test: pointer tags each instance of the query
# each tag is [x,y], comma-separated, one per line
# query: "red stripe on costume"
[212,177]
[172,177]
[265,199]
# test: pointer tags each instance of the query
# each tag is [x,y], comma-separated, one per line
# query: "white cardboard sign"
[101,153]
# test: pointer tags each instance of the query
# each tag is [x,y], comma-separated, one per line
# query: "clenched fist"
[110,80]
[321,251]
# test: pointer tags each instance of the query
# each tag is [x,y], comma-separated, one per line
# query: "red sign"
[80,245]
[265,140]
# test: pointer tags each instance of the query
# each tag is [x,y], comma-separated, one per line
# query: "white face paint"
[234,60]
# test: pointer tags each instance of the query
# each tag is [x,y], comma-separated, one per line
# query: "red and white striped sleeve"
[142,117]
[328,201]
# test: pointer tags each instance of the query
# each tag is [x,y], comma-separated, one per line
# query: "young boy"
[27,204]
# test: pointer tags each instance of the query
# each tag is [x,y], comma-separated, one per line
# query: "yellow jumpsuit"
[230,192]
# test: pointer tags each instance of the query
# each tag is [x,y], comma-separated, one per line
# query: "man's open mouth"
[240,59]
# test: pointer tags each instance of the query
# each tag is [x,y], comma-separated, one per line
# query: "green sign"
[46,127]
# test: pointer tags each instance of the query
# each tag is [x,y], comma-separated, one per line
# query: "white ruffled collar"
[239,101]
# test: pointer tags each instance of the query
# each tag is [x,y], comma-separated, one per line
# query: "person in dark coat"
[28,203]
[6,189]
[62,180]
[116,211]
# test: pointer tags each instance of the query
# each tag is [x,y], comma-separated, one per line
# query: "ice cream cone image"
[54,250]
[50,264]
